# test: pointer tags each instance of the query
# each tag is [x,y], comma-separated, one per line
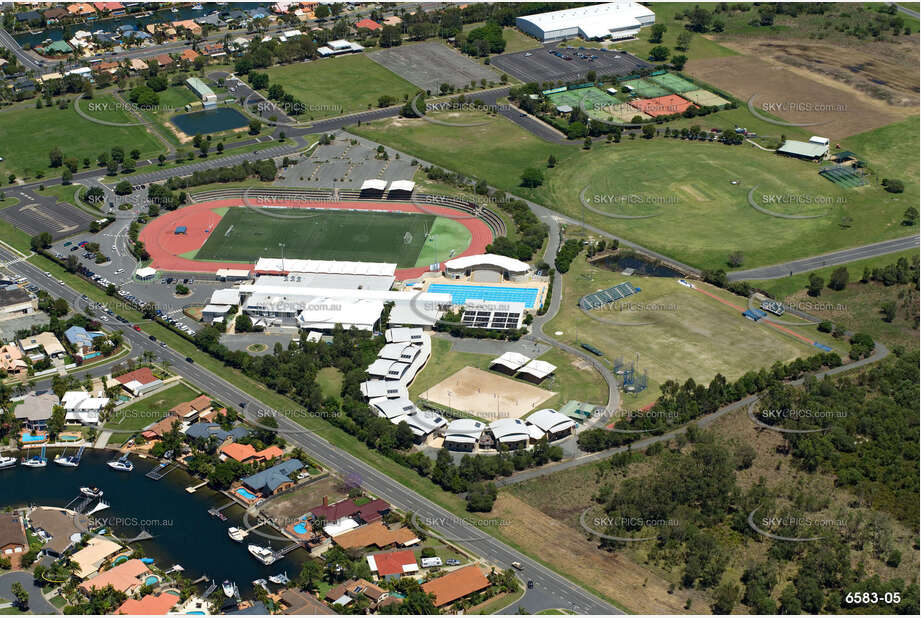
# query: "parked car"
[188,359]
[137,328]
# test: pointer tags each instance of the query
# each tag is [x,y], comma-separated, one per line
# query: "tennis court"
[662,106]
[704,97]
[460,294]
[843,176]
[673,83]
[588,99]
[646,89]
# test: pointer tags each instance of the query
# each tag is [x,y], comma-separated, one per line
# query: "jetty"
[193,488]
[216,512]
[162,470]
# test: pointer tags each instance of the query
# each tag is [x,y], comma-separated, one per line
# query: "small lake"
[641,265]
[184,533]
[210,121]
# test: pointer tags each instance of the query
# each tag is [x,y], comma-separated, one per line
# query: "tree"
[839,278]
[678,61]
[321,12]
[21,597]
[481,497]
[659,53]
[649,131]
[56,157]
[161,159]
[532,177]
[123,188]
[735,259]
[893,185]
[816,283]
[551,161]
[910,217]
[725,599]
[888,309]
[656,32]
[58,418]
[255,126]
[684,41]
[41,241]
[67,176]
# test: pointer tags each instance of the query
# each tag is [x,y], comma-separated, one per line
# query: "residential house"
[297,603]
[33,18]
[83,408]
[366,513]
[149,605]
[13,540]
[80,339]
[164,60]
[80,9]
[24,86]
[393,565]
[456,585]
[107,67]
[354,589]
[90,559]
[34,411]
[136,64]
[11,361]
[245,453]
[370,24]
[56,527]
[139,381]
[213,50]
[127,577]
[189,55]
[190,411]
[190,25]
[41,345]
[393,20]
[160,428]
[273,480]
[378,535]
[206,431]
[55,14]
[112,8]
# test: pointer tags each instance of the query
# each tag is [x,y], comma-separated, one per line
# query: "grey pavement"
[37,602]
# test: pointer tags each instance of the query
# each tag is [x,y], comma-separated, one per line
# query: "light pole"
[282,245]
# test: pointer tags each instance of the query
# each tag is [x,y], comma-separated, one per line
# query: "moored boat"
[237,534]
[262,554]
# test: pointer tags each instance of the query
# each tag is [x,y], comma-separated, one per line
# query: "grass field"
[337,86]
[34,132]
[700,46]
[149,410]
[704,209]
[244,235]
[329,380]
[689,333]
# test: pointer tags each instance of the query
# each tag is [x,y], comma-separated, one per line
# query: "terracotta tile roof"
[143,375]
[199,404]
[122,577]
[456,584]
[376,534]
[11,531]
[370,24]
[189,54]
[393,563]
[302,603]
[161,427]
[149,605]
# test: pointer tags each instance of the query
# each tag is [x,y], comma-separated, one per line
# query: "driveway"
[37,603]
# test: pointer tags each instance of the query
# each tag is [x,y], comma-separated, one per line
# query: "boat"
[68,461]
[198,7]
[281,579]
[36,461]
[237,534]
[261,583]
[7,462]
[147,560]
[262,554]
[174,10]
[229,588]
[92,492]
[122,464]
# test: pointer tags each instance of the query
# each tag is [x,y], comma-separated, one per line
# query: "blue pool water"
[300,529]
[28,438]
[152,580]
[246,493]
[461,293]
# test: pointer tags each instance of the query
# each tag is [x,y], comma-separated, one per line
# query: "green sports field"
[244,235]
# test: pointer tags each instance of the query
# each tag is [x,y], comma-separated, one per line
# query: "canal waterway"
[184,533]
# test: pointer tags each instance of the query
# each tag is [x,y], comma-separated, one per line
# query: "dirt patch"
[697,195]
[486,394]
[798,95]
[287,508]
[611,574]
[581,365]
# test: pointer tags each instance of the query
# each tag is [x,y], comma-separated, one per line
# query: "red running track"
[166,247]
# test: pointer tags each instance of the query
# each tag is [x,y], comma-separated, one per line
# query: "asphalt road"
[550,589]
[37,602]
[787,269]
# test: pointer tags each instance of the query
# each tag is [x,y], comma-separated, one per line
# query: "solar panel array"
[610,295]
[487,318]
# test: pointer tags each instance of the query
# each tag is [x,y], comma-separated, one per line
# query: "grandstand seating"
[610,295]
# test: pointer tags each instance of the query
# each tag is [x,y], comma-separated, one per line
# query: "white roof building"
[512,361]
[404,335]
[390,389]
[227,296]
[374,184]
[616,20]
[389,369]
[80,407]
[339,46]
[510,431]
[404,352]
[325,313]
[393,408]
[424,423]
[550,421]
[464,431]
[333,267]
[402,185]
[488,260]
[538,369]
[145,273]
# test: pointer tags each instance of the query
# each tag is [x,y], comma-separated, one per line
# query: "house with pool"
[268,482]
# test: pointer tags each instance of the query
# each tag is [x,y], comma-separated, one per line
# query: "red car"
[137,328]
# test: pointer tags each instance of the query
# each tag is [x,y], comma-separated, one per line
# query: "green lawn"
[700,47]
[337,86]
[516,41]
[446,237]
[63,193]
[244,235]
[151,409]
[687,184]
[34,132]
[8,201]
[680,332]
[329,379]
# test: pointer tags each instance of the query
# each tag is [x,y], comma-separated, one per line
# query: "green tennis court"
[592,101]
[647,89]
[673,83]
[244,235]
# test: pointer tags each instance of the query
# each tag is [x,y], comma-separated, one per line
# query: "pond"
[641,265]
[210,121]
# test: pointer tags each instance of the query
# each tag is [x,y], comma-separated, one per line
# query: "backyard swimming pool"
[210,121]
[29,438]
[245,493]
[462,293]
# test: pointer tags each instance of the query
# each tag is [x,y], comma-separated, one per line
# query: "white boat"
[35,462]
[91,492]
[122,465]
[237,534]
[262,584]
[198,7]
[281,579]
[7,462]
[262,554]
[68,461]
[229,588]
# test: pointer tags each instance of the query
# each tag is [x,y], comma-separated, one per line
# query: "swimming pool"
[462,293]
[300,528]
[70,437]
[245,493]
[28,438]
[152,580]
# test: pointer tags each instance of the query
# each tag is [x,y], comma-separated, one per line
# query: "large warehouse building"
[613,20]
